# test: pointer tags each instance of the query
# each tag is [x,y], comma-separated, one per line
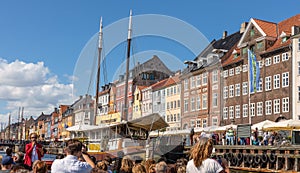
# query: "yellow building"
[173,113]
[137,107]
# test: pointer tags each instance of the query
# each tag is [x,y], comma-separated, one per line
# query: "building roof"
[269,28]
[285,26]
[229,57]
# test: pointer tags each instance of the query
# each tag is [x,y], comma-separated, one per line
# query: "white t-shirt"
[208,166]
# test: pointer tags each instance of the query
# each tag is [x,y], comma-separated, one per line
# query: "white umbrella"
[283,125]
[262,124]
[224,128]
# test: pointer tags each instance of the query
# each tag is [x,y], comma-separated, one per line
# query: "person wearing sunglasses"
[33,151]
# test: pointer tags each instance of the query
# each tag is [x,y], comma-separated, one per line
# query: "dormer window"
[284,39]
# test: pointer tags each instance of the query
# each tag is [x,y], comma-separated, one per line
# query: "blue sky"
[49,36]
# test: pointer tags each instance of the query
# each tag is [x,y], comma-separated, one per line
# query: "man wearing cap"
[7,162]
[33,151]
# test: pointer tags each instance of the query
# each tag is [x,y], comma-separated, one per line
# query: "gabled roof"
[158,85]
[268,28]
[172,80]
[285,26]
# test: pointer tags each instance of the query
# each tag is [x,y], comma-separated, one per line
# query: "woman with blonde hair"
[126,165]
[138,168]
[39,167]
[200,158]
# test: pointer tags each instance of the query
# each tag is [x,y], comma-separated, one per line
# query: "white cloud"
[32,86]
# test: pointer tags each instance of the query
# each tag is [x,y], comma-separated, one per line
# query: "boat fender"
[233,161]
[240,157]
[272,158]
[250,159]
[229,156]
[264,158]
[257,159]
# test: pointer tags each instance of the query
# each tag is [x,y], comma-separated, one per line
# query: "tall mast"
[125,114]
[98,69]
[22,112]
[9,116]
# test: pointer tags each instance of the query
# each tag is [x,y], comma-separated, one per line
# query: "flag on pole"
[254,72]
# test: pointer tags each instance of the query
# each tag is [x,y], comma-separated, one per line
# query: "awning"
[81,128]
[149,122]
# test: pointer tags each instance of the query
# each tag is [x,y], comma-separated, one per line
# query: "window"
[193,82]
[214,121]
[178,103]
[252,109]
[276,106]
[204,123]
[171,105]
[198,123]
[198,80]
[171,91]
[186,105]
[204,78]
[244,50]
[174,104]
[245,68]
[204,101]
[193,123]
[186,85]
[225,113]
[268,83]
[178,117]
[259,45]
[168,92]
[276,59]
[237,111]
[268,107]
[299,44]
[193,106]
[237,70]
[215,76]
[245,110]
[252,32]
[261,63]
[231,72]
[215,99]
[298,93]
[225,73]
[285,104]
[260,85]
[245,88]
[285,79]
[168,105]
[259,106]
[175,90]
[276,81]
[237,89]
[298,67]
[198,106]
[225,92]
[231,90]
[268,62]
[285,56]
[231,112]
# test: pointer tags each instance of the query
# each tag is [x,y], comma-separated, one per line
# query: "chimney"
[243,27]
[224,35]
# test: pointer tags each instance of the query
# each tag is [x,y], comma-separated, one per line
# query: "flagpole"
[249,88]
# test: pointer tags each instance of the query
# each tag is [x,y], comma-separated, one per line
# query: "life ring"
[250,159]
[246,158]
[264,158]
[233,161]
[272,158]
[229,156]
[257,159]
[240,157]
[225,156]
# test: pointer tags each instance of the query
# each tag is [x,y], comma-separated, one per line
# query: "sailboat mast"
[125,114]
[98,70]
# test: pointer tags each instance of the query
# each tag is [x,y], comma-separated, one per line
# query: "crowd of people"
[77,160]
